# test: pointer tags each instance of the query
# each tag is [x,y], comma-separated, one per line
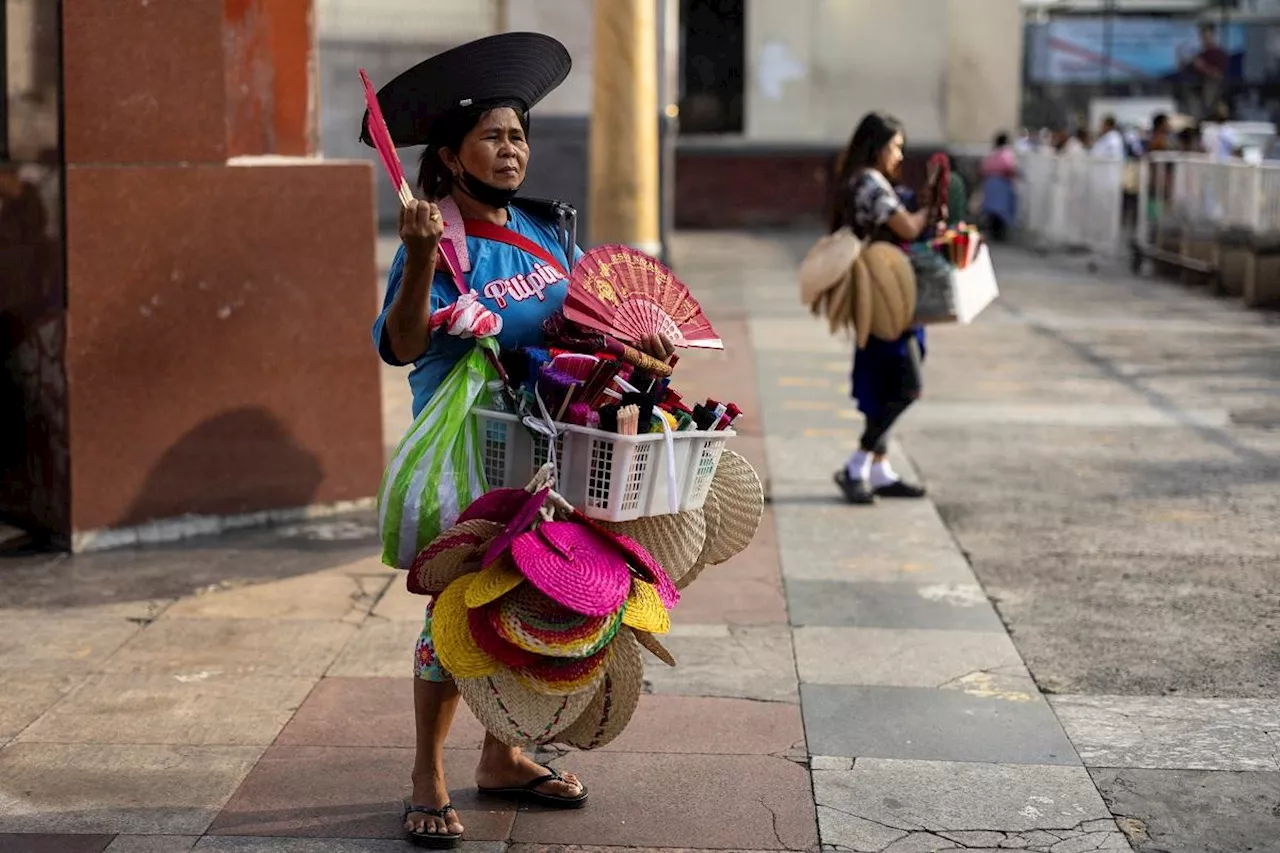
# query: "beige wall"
[984,74]
[950,69]
[423,21]
[570,21]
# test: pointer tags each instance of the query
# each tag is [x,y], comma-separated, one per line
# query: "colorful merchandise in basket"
[625,443]
[959,245]
[541,612]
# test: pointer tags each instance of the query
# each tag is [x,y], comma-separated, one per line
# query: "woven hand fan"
[625,293]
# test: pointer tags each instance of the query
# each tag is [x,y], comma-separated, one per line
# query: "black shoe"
[899,489]
[855,491]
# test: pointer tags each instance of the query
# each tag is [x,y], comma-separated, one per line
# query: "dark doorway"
[713,62]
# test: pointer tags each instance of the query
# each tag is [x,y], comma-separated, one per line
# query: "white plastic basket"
[607,476]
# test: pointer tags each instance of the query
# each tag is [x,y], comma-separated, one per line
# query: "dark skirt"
[888,370]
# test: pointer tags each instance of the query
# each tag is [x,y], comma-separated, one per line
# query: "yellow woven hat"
[644,610]
[451,632]
[494,582]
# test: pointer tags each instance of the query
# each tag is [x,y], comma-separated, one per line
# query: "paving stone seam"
[952,543]
[762,395]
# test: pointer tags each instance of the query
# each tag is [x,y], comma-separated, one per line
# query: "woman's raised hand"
[659,346]
[421,227]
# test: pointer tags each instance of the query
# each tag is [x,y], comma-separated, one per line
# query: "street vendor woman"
[470,107]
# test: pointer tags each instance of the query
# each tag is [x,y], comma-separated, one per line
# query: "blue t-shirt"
[513,284]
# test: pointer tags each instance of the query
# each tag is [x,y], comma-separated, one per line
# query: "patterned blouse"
[871,203]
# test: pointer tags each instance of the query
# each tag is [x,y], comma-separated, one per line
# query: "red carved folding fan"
[625,293]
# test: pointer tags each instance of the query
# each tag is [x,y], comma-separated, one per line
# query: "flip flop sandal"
[432,840]
[529,794]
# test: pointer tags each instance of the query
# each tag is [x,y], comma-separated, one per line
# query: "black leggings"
[875,437]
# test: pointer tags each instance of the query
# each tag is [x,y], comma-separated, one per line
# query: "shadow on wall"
[241,461]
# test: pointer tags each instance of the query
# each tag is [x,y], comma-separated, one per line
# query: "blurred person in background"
[1218,138]
[1076,144]
[1110,144]
[999,171]
[1208,68]
[1159,176]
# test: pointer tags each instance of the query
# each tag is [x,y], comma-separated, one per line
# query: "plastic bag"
[438,467]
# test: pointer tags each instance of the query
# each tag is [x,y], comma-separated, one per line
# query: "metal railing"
[1079,201]
[1073,202]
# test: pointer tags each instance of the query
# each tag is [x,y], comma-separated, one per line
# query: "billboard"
[1122,49]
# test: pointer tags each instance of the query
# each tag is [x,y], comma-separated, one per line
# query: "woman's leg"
[502,766]
[435,699]
[883,480]
[434,703]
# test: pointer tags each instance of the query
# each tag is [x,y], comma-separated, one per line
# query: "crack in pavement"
[777,836]
[873,820]
[1094,831]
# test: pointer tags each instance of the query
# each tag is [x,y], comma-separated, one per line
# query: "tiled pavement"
[845,683]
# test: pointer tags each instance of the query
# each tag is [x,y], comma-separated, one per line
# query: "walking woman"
[470,108]
[886,374]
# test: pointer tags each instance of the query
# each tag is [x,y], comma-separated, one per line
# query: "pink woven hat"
[575,566]
[520,522]
[642,563]
[496,505]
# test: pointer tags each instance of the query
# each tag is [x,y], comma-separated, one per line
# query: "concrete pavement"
[845,684]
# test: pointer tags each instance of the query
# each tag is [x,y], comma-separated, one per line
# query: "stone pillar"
[624,131]
[220,279]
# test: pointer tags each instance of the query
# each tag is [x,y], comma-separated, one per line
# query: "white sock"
[882,474]
[859,465]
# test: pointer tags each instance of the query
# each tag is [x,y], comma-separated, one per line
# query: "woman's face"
[890,157]
[496,150]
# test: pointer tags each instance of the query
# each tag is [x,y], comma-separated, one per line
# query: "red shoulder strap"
[500,234]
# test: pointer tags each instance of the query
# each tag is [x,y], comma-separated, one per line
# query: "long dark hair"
[434,178]
[873,133]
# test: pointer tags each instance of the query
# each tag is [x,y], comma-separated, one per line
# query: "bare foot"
[510,768]
[432,793]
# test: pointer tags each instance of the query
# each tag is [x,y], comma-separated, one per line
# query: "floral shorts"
[426,665]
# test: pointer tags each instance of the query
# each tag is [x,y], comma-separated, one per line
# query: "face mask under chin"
[486,194]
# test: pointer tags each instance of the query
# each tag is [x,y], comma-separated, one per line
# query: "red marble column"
[217,357]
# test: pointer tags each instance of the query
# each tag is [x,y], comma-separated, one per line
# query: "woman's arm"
[408,321]
[912,226]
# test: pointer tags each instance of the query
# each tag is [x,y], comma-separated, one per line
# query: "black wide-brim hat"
[520,68]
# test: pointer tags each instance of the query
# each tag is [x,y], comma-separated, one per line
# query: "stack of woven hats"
[541,612]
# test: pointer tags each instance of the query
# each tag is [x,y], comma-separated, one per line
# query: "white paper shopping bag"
[974,287]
